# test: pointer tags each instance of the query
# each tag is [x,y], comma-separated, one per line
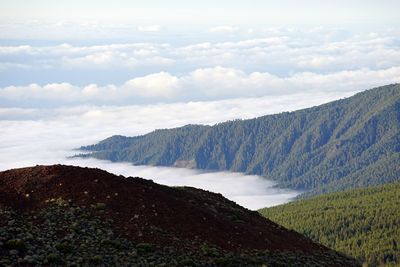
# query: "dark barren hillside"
[70,215]
[353,142]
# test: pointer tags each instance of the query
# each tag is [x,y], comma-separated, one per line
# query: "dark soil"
[145,212]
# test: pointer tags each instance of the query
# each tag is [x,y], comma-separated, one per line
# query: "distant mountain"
[64,215]
[363,223]
[348,143]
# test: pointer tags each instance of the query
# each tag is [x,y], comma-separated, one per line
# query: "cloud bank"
[201,84]
[272,61]
[295,50]
[250,191]
[280,52]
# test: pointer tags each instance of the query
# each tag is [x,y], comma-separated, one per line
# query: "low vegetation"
[63,234]
[71,216]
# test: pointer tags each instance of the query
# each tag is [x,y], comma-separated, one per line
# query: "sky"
[208,11]
[75,72]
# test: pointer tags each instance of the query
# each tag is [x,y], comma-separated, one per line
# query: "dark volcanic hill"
[352,142]
[51,214]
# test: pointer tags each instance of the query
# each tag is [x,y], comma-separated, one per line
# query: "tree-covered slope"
[363,223]
[351,142]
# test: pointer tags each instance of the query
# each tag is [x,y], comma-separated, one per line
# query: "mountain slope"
[352,142]
[364,223]
[68,207]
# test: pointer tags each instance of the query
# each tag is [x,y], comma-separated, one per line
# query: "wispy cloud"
[224,28]
[149,28]
[280,52]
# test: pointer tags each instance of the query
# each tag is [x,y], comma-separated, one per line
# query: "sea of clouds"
[265,63]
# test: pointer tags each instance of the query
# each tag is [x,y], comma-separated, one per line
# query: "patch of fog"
[250,191]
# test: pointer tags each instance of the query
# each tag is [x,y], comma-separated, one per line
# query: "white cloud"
[161,84]
[173,114]
[221,82]
[149,28]
[53,91]
[280,51]
[221,29]
[202,84]
[4,66]
[20,49]
[111,56]
[315,61]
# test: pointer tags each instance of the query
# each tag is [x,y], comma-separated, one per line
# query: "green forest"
[348,143]
[363,223]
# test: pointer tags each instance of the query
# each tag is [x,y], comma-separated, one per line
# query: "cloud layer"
[250,63]
[201,84]
[278,51]
[272,61]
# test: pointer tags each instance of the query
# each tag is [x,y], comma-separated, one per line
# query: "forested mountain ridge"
[363,223]
[352,142]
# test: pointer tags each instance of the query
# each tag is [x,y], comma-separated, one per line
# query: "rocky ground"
[70,216]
